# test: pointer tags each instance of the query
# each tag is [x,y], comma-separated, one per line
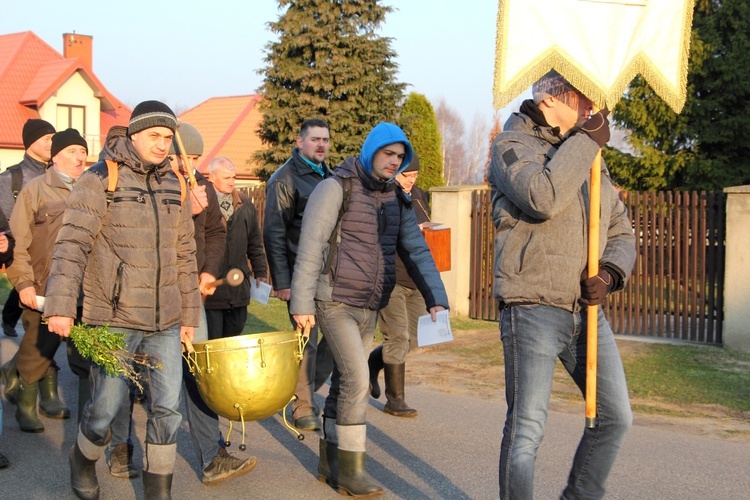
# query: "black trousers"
[12,308]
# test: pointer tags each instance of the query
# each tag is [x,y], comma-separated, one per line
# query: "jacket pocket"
[117,288]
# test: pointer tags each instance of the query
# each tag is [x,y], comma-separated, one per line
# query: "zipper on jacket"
[117,288]
[169,202]
[155,206]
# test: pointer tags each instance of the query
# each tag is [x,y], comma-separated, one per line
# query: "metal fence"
[676,289]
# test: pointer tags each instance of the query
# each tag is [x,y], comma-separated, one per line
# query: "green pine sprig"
[107,349]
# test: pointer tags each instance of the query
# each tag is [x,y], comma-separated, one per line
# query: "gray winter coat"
[136,257]
[321,215]
[540,199]
[30,168]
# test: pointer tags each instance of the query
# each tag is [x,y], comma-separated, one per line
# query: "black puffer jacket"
[287,192]
[243,242]
[210,232]
[136,257]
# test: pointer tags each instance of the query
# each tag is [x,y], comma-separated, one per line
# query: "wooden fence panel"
[677,285]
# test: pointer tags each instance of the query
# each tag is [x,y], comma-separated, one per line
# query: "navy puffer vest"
[364,268]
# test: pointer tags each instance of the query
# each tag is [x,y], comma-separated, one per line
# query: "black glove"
[595,289]
[597,127]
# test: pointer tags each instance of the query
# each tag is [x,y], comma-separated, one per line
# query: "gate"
[676,289]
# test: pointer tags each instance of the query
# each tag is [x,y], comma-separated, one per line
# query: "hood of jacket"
[353,168]
[384,134]
[530,120]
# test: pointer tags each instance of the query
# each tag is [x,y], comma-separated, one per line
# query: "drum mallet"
[234,278]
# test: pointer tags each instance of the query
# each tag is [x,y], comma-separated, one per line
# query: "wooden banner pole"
[593,269]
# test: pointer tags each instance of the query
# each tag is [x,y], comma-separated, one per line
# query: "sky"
[185,52]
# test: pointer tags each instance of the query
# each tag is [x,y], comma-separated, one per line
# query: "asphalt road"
[449,451]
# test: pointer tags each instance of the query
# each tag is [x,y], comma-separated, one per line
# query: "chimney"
[80,46]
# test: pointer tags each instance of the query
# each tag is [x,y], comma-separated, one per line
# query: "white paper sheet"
[260,294]
[429,332]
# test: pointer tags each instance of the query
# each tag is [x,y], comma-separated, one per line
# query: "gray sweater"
[540,198]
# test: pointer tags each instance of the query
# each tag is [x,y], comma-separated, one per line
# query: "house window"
[71,117]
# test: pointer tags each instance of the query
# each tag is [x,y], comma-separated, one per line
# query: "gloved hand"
[597,127]
[595,289]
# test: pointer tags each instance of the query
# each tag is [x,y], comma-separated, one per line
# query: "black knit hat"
[414,165]
[69,137]
[151,114]
[34,129]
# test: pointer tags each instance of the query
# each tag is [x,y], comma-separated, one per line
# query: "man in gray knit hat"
[134,253]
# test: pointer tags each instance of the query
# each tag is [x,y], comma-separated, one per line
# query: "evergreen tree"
[329,63]
[420,124]
[707,146]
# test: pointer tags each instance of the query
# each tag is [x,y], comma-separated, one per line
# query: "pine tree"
[329,63]
[420,124]
[707,145]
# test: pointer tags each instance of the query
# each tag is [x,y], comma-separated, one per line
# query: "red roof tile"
[30,72]
[228,126]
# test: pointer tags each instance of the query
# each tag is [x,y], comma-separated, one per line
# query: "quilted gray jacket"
[540,198]
[136,257]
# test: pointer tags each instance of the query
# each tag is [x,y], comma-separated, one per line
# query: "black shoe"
[307,423]
[3,461]
[9,331]
[375,364]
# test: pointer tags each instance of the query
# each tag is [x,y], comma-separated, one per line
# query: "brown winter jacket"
[136,257]
[35,221]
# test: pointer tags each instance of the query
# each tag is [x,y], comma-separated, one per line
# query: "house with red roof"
[229,128]
[39,82]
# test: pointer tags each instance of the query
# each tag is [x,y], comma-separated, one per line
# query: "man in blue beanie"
[354,224]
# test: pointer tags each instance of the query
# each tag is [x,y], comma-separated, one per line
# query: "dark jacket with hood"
[540,206]
[373,229]
[30,168]
[287,193]
[243,242]
[135,256]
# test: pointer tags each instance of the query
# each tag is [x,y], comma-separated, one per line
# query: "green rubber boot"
[26,413]
[49,400]
[9,374]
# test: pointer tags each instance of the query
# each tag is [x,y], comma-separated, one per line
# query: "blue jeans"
[349,332]
[108,393]
[534,337]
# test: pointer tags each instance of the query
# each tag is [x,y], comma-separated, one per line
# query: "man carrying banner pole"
[582,54]
[538,175]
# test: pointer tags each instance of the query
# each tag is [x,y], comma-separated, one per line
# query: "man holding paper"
[226,309]
[540,193]
[354,225]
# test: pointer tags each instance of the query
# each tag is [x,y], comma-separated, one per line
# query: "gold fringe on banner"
[505,90]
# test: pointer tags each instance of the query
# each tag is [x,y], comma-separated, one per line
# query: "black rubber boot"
[394,392]
[83,475]
[328,465]
[26,413]
[157,486]
[375,363]
[84,394]
[353,478]
[9,374]
[49,400]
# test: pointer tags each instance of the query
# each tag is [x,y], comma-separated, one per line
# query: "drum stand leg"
[227,443]
[289,426]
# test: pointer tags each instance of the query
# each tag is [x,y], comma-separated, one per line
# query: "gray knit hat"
[191,139]
[550,85]
[151,114]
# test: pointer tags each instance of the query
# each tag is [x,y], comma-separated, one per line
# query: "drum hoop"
[230,349]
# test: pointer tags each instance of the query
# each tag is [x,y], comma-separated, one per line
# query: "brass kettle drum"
[248,377]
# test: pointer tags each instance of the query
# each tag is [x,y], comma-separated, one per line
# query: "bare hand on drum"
[60,325]
[284,294]
[304,319]
[187,332]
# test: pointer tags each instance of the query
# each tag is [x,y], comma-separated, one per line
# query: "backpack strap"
[113,173]
[183,184]
[16,180]
[346,186]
